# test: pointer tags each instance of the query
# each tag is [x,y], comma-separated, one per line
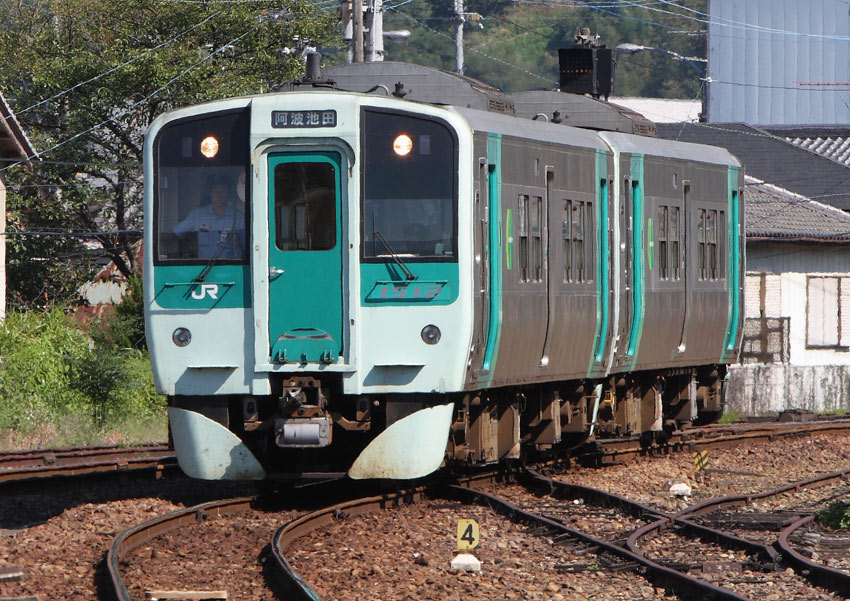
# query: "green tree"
[516,49]
[87,77]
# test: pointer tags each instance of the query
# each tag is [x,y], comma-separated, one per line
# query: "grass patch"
[836,516]
[61,387]
[729,417]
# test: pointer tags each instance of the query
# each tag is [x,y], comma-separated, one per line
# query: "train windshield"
[201,166]
[409,188]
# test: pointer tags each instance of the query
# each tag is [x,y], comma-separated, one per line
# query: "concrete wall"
[759,389]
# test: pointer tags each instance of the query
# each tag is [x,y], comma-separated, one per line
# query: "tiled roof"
[837,148]
[774,213]
[830,141]
[772,158]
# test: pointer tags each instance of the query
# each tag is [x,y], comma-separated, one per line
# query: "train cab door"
[305,257]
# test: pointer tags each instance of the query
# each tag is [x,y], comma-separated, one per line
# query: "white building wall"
[817,379]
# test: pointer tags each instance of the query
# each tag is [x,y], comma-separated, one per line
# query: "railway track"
[47,463]
[587,527]
[606,451]
[572,523]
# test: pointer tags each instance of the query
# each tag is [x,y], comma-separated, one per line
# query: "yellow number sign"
[467,534]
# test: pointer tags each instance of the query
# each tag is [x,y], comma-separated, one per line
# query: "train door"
[673,232]
[305,257]
[626,250]
[550,251]
[637,242]
[481,273]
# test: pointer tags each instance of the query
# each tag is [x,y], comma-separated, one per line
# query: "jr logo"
[204,290]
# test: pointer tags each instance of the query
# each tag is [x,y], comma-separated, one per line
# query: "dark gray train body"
[576,281]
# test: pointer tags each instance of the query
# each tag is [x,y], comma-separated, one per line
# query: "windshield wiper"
[407,273]
[206,270]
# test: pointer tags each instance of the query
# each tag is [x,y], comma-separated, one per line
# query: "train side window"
[701,241]
[578,241]
[675,259]
[662,243]
[522,231]
[711,242]
[722,244]
[536,238]
[587,224]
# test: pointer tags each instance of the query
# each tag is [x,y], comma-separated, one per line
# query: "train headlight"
[181,337]
[209,147]
[402,145]
[430,334]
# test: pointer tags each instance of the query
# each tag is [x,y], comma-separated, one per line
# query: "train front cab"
[317,342]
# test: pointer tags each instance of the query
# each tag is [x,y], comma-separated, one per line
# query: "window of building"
[823,312]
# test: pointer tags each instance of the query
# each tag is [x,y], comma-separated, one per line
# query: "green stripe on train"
[637,271]
[602,259]
[734,264]
[494,309]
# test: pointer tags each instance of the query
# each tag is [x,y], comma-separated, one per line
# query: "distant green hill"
[516,46]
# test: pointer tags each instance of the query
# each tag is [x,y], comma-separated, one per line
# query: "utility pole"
[460,18]
[357,35]
[375,34]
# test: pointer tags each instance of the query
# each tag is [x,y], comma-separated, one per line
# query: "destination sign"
[299,119]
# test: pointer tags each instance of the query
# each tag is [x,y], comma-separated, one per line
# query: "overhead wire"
[476,51]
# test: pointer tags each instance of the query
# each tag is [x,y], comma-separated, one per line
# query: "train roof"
[671,149]
[530,130]
[434,86]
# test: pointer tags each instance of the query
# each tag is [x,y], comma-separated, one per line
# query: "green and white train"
[376,282]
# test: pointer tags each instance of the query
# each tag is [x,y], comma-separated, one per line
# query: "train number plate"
[299,119]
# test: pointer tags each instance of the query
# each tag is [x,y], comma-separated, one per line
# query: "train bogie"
[342,282]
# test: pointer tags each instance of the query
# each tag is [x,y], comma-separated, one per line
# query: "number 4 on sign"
[467,534]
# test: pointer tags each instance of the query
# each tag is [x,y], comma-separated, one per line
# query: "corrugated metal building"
[779,62]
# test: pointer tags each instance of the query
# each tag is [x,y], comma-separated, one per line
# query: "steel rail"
[768,553]
[829,578]
[299,590]
[696,438]
[24,465]
[140,534]
[39,457]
